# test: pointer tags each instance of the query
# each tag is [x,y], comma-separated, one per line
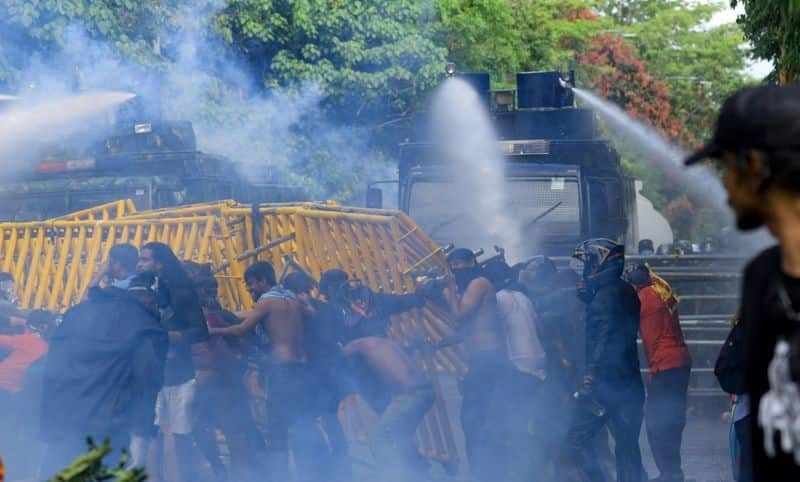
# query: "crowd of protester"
[152,360]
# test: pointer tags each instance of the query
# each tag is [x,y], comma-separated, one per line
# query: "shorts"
[174,406]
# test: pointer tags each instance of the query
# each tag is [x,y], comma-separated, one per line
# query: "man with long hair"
[182,317]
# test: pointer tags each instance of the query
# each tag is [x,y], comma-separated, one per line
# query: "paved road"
[706,457]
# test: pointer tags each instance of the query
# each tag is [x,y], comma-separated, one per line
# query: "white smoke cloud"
[278,136]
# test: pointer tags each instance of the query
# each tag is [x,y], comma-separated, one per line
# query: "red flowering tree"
[613,70]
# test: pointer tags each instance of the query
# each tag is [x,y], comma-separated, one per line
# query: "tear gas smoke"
[467,143]
[279,136]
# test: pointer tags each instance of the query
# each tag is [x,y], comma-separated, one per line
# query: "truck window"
[436,208]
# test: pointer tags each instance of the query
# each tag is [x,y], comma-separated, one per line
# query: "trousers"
[289,408]
[623,413]
[392,438]
[486,412]
[665,415]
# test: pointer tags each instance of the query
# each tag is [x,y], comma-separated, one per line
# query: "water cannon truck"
[565,185]
[562,182]
[156,164]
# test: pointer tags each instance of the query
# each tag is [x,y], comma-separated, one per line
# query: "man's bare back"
[284,326]
[389,362]
[282,318]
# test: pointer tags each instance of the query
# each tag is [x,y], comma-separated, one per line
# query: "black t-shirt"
[765,322]
[185,315]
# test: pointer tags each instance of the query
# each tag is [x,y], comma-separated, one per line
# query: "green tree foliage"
[372,58]
[773,27]
[503,37]
[376,60]
[700,66]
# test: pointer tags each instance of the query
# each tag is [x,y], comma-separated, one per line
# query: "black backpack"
[730,367]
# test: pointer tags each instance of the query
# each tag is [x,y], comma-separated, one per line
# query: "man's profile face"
[256,287]
[147,263]
[743,196]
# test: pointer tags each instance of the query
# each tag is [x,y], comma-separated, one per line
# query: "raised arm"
[250,319]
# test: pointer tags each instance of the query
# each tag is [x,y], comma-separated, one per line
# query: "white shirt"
[522,340]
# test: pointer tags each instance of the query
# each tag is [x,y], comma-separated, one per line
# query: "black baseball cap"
[765,117]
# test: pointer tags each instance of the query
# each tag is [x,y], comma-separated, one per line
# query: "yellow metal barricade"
[55,261]
[112,210]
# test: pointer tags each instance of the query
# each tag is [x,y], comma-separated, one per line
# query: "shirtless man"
[412,395]
[473,307]
[280,315]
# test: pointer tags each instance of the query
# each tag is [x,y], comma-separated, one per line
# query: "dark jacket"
[184,315]
[376,322]
[764,323]
[104,368]
[561,318]
[612,325]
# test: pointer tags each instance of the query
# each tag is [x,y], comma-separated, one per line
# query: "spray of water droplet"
[467,144]
[700,182]
[27,125]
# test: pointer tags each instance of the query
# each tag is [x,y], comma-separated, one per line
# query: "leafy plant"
[89,467]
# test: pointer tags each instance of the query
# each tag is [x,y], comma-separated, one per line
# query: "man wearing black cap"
[757,142]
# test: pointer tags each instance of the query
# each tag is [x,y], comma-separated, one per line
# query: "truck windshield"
[546,208]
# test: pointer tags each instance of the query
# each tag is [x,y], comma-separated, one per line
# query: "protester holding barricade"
[323,330]
[290,382]
[472,304]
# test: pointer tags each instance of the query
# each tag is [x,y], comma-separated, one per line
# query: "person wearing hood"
[103,372]
[472,304]
[611,392]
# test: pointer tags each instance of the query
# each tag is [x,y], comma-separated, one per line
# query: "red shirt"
[25,349]
[661,332]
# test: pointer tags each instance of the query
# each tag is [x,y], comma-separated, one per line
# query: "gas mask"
[356,300]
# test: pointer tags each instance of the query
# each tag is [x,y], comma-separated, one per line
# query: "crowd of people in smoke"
[152,360]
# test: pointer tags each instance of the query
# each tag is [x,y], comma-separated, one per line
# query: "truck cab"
[562,183]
